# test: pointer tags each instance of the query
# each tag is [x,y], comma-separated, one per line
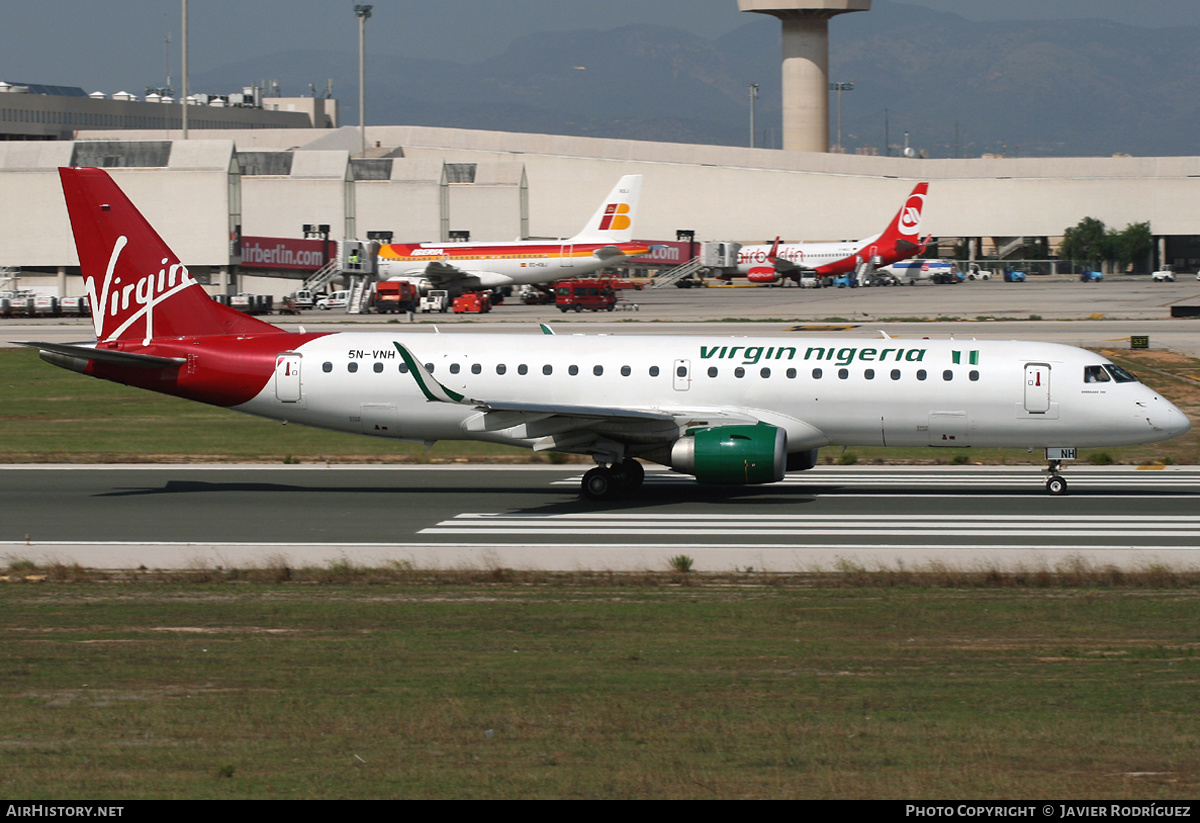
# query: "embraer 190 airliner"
[741,410]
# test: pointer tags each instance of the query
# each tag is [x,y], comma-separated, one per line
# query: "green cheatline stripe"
[431,388]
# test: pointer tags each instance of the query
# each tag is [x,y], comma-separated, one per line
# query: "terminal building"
[258,181]
[435,184]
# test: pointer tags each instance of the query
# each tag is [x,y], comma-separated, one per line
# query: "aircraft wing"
[573,427]
[782,266]
[441,274]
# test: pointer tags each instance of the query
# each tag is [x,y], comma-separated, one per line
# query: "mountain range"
[955,87]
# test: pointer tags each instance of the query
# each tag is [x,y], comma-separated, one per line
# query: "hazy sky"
[119,45]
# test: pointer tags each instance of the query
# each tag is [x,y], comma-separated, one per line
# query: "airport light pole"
[839,88]
[753,97]
[183,92]
[364,14]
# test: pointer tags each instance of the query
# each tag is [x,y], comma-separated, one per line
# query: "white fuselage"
[821,391]
[803,255]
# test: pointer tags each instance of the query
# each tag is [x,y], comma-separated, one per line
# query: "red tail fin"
[906,225]
[138,288]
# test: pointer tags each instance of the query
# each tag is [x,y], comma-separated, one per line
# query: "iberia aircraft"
[727,410]
[899,241]
[603,241]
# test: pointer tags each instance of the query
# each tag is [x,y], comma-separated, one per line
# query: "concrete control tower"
[805,65]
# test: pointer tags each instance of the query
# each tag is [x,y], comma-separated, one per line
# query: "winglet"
[434,391]
[773,254]
[546,329]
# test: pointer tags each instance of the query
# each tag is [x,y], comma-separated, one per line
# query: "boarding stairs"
[323,276]
[1011,248]
[863,272]
[671,276]
[360,295]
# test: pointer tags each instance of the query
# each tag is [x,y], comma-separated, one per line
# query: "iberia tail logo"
[616,217]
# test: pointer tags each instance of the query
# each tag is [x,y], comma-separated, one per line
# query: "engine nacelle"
[802,461]
[734,455]
[762,275]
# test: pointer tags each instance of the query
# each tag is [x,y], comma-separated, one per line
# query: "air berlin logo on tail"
[910,215]
[616,217]
[143,294]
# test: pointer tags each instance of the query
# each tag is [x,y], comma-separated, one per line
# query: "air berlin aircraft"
[727,410]
[899,241]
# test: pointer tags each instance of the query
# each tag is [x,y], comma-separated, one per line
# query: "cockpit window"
[1095,374]
[1119,374]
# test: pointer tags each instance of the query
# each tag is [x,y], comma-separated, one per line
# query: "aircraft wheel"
[600,484]
[1056,485]
[630,474]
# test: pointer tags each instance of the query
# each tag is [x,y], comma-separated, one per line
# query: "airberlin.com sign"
[286,253]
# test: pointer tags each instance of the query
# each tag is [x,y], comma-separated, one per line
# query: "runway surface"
[532,518]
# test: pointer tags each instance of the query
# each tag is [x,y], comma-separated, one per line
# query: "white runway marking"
[803,525]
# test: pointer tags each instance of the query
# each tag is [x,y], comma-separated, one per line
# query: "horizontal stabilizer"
[121,358]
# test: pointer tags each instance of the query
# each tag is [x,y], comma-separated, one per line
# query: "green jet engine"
[732,455]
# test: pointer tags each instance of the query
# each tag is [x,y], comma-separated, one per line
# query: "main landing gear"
[1055,484]
[607,482]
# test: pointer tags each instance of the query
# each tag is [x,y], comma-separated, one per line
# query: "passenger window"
[843,374]
[626,371]
[404,368]
[547,369]
[791,373]
[429,368]
[817,374]
[712,371]
[869,374]
[352,367]
[476,368]
[597,370]
[765,373]
[921,375]
[654,371]
[947,375]
[739,372]
[681,371]
[501,368]
[973,375]
[572,370]
[327,367]
[378,368]
[895,374]
[522,369]
[454,368]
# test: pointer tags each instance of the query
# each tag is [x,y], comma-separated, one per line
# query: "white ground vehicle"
[437,300]
[337,300]
[1164,275]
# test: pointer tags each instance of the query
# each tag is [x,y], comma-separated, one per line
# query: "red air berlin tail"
[906,225]
[137,287]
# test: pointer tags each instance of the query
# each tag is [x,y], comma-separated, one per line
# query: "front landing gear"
[608,482]
[1055,484]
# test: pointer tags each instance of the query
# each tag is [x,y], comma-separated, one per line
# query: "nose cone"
[1166,419]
